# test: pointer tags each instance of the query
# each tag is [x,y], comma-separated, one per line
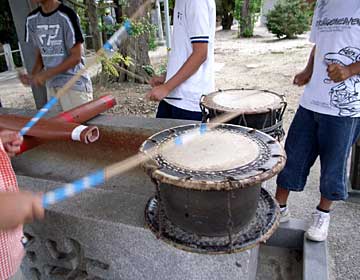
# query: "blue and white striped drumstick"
[109,46]
[99,177]
[42,112]
[72,189]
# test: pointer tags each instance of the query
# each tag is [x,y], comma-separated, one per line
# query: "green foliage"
[110,64]
[149,69]
[289,18]
[247,21]
[138,28]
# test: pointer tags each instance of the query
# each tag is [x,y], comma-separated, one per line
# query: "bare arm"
[74,59]
[192,64]
[39,65]
[304,76]
[19,208]
[310,65]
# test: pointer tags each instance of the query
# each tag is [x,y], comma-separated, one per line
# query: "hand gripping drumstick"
[109,46]
[145,80]
[99,177]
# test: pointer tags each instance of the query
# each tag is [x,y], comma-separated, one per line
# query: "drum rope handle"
[159,213]
[266,118]
[244,119]
[284,109]
[272,128]
[205,114]
[230,222]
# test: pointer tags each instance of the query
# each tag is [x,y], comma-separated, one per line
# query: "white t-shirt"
[194,21]
[336,34]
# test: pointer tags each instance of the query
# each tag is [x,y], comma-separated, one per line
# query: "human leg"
[74,98]
[52,92]
[336,135]
[302,150]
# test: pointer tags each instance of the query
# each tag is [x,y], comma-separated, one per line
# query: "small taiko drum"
[259,109]
[208,182]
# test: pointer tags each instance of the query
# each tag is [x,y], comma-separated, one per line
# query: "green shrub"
[289,18]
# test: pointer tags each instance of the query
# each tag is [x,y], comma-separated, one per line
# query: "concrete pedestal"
[100,234]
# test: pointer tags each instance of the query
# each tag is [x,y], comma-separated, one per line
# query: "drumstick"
[109,46]
[101,176]
[144,79]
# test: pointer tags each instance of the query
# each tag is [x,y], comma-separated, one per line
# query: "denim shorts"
[329,137]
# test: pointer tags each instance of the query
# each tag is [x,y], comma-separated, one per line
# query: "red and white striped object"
[11,249]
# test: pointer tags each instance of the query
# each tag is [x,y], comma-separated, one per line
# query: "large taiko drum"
[208,182]
[259,109]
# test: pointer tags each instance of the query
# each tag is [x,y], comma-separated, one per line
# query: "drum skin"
[206,213]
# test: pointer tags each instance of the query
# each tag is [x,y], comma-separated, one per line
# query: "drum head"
[244,101]
[225,157]
[213,151]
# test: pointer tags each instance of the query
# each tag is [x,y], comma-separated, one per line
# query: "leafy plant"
[138,28]
[289,18]
[110,64]
[149,69]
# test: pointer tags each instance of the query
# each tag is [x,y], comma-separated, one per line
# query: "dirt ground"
[262,62]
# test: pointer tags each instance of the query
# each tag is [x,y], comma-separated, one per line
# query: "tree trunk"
[93,23]
[245,23]
[136,47]
[227,21]
[228,14]
[118,11]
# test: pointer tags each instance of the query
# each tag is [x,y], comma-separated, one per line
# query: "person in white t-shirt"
[327,121]
[190,69]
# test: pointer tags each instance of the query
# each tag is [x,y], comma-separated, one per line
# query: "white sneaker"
[319,229]
[284,215]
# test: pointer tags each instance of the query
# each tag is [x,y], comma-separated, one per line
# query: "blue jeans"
[167,111]
[329,137]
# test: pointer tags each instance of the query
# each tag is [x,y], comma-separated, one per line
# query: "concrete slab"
[314,254]
[101,234]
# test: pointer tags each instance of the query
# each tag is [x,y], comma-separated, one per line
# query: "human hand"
[157,81]
[39,79]
[339,73]
[302,78]
[158,93]
[24,79]
[19,208]
[11,141]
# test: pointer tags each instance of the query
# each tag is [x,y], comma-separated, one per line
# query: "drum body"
[208,181]
[206,213]
[259,109]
